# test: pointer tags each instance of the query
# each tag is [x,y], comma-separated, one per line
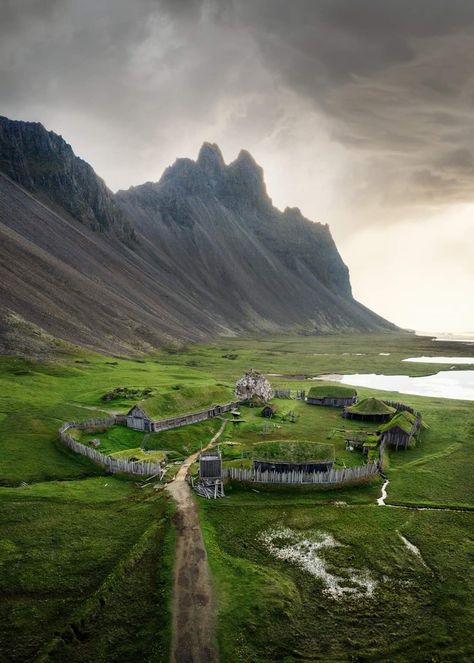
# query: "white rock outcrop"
[253,385]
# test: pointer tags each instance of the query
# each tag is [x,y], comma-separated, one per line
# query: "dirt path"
[194,634]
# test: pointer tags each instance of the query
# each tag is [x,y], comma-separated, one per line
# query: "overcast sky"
[360,112]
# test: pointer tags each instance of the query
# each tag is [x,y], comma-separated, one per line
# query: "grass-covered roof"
[403,420]
[331,391]
[371,406]
[184,400]
[293,451]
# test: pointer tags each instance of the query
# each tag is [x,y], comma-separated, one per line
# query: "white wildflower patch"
[305,552]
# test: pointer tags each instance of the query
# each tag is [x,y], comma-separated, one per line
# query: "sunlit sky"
[360,113]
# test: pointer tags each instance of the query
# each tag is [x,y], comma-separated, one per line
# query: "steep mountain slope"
[200,253]
[45,164]
[253,266]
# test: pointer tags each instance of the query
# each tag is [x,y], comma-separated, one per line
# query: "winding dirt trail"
[194,632]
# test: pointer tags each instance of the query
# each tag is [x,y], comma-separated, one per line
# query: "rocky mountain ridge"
[200,253]
[43,163]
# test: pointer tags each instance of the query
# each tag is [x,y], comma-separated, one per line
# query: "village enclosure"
[116,580]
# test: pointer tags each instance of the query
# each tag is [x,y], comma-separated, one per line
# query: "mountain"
[45,165]
[200,253]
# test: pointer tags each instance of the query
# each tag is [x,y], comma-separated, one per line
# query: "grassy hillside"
[87,556]
[79,555]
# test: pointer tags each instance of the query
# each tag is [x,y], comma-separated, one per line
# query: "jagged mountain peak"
[210,159]
[210,254]
[239,184]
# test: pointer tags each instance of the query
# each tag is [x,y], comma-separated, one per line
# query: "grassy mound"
[331,391]
[141,455]
[370,406]
[184,400]
[293,451]
[179,443]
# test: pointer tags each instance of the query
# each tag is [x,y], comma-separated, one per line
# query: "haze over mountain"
[200,253]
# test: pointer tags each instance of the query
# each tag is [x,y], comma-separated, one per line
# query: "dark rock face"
[238,191]
[202,252]
[42,162]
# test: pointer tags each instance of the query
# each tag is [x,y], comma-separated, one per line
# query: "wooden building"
[331,395]
[370,409]
[210,465]
[144,417]
[269,410]
[399,432]
[283,456]
[138,419]
[308,467]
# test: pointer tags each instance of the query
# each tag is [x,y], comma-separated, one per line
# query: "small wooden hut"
[398,433]
[138,419]
[336,395]
[210,465]
[254,401]
[370,409]
[269,410]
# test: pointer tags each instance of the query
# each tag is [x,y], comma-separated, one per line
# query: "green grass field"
[66,549]
[322,425]
[272,609]
[86,559]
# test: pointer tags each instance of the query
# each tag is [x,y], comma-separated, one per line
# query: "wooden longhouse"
[331,395]
[144,417]
[307,467]
[293,456]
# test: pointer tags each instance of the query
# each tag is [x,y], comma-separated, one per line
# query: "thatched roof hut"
[370,409]
[400,430]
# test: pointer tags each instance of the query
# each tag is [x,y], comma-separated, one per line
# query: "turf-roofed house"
[370,409]
[400,431]
[293,456]
[145,416]
[331,395]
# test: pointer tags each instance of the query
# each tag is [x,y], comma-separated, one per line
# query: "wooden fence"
[403,407]
[346,475]
[193,417]
[110,464]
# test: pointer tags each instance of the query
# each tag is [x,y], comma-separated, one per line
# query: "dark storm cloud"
[361,112]
[393,78]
